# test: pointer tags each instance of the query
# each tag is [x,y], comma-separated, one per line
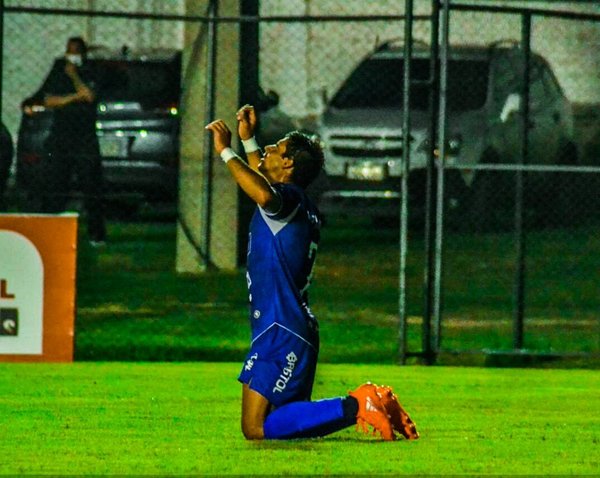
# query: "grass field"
[183,418]
[132,305]
[99,417]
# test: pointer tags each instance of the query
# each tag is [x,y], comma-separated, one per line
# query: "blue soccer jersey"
[282,249]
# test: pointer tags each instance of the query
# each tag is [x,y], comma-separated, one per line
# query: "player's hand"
[221,135]
[85,94]
[246,117]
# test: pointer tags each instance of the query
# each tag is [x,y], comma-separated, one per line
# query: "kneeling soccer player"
[277,377]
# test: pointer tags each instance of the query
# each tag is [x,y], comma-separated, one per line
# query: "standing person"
[277,377]
[72,146]
[6,156]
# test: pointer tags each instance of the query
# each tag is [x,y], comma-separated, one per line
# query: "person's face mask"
[74,58]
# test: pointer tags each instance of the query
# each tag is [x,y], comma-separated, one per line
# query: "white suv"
[361,128]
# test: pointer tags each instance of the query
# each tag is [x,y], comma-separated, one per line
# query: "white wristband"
[228,154]
[250,145]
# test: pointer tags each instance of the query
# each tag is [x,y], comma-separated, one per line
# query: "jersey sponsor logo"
[250,362]
[286,373]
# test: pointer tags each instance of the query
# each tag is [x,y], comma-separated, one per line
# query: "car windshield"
[377,83]
[145,82]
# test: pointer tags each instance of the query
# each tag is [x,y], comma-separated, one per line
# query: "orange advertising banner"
[38,256]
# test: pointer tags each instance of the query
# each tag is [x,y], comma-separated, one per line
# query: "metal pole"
[211,45]
[439,223]
[519,285]
[430,186]
[249,86]
[408,23]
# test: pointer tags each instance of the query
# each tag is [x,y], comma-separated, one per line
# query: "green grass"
[183,418]
[132,305]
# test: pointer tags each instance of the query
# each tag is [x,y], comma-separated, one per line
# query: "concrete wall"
[297,60]
[301,60]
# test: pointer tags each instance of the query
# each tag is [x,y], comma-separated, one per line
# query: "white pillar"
[224,220]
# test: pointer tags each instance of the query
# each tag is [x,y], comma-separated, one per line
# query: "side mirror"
[266,101]
[318,99]
[511,105]
[324,96]
[272,99]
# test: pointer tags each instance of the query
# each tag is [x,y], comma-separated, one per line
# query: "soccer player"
[277,376]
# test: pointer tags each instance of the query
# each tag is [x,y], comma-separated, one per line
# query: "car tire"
[566,188]
[456,196]
[121,210]
[489,203]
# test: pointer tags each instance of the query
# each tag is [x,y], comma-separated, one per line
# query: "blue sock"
[310,419]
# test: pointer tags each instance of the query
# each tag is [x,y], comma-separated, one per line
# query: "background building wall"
[300,60]
[332,49]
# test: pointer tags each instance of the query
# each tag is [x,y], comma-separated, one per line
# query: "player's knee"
[252,431]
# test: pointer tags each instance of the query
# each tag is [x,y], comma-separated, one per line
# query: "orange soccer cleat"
[371,411]
[401,422]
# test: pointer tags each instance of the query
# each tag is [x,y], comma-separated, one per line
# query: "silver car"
[361,128]
[137,125]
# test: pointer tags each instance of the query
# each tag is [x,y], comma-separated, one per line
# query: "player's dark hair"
[308,157]
[81,45]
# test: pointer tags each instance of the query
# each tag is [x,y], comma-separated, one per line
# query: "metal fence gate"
[496,248]
[518,216]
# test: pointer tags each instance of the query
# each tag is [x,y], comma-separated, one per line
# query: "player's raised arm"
[246,117]
[253,183]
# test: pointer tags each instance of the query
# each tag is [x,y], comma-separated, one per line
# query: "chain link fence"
[499,241]
[530,199]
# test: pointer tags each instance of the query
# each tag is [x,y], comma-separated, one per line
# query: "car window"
[537,93]
[377,83]
[506,79]
[551,84]
[145,82]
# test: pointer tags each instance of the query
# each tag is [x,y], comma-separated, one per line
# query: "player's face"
[73,48]
[274,160]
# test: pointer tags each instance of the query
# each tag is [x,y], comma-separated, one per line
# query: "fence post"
[408,23]
[429,233]
[249,87]
[439,224]
[210,114]
[520,239]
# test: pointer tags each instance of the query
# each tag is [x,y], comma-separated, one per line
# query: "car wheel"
[121,210]
[490,201]
[566,189]
[456,196]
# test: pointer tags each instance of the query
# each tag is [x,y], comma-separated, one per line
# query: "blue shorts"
[281,366]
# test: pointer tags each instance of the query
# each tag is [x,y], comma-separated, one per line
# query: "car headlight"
[454,144]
